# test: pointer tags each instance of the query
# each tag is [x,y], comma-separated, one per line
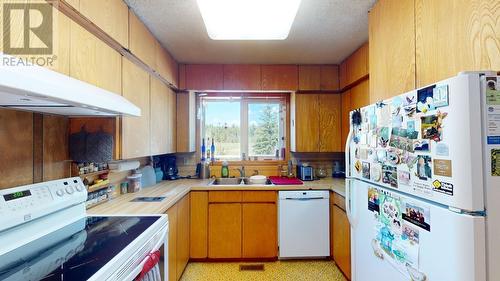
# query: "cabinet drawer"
[259,196]
[224,196]
[339,201]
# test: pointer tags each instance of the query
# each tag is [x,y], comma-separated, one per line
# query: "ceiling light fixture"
[248,19]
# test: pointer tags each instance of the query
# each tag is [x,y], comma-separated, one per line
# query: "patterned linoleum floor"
[280,270]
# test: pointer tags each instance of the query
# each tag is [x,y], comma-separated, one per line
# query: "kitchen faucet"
[242,171]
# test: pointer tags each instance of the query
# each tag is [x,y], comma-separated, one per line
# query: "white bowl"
[258,179]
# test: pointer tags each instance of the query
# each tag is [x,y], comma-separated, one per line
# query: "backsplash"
[34,148]
[187,164]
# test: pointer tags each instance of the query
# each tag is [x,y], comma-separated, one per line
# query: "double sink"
[236,181]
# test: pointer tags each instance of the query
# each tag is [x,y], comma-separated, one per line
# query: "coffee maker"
[169,167]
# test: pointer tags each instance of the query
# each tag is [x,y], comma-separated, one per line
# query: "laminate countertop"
[176,190]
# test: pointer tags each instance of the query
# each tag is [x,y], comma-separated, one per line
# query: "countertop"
[175,190]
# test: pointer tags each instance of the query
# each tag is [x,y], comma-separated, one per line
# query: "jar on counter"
[134,183]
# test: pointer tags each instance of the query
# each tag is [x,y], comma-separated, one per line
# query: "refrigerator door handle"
[376,249]
[348,154]
[348,199]
[415,275]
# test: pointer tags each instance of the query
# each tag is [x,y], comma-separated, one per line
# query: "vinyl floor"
[280,270]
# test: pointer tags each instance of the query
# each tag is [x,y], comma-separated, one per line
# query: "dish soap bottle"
[224,172]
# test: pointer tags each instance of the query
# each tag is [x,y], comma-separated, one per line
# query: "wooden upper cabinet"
[329,77]
[74,3]
[454,36]
[344,119]
[171,121]
[355,67]
[316,121]
[305,123]
[159,117]
[163,118]
[279,77]
[142,43]
[330,139]
[309,77]
[166,66]
[357,64]
[360,95]
[392,48]
[186,122]
[93,61]
[110,15]
[204,77]
[343,74]
[182,77]
[242,77]
[136,131]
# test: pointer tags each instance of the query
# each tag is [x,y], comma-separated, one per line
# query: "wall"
[34,148]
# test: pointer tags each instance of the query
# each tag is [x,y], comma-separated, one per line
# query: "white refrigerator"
[423,183]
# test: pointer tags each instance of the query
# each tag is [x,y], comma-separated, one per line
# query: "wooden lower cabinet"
[178,238]
[183,240]
[224,230]
[341,235]
[172,243]
[241,224]
[199,225]
[259,230]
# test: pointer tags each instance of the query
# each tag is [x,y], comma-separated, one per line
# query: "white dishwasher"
[304,224]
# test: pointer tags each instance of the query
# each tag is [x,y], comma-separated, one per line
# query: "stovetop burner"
[75,252]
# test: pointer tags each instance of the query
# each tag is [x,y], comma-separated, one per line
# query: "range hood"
[38,89]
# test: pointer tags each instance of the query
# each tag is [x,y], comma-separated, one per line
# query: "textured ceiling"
[324,31]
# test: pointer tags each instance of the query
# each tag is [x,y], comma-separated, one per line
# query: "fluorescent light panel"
[248,19]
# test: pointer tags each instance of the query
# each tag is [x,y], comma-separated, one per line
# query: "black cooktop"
[75,252]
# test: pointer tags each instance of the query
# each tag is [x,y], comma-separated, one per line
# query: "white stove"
[46,235]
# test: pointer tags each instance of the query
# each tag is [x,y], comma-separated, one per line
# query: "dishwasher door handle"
[305,199]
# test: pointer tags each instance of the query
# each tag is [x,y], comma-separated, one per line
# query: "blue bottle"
[203,150]
[212,151]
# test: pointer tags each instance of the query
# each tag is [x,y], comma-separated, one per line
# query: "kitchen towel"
[285,181]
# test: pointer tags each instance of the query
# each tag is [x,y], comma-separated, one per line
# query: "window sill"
[251,162]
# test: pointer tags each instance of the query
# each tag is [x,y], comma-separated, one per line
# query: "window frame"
[245,99]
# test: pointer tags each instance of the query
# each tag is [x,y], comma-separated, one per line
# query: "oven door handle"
[140,268]
[145,266]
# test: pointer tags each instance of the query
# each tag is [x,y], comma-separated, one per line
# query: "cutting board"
[285,181]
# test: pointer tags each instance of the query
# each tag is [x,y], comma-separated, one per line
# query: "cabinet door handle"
[304,199]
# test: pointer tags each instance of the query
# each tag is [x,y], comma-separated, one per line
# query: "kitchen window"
[244,126]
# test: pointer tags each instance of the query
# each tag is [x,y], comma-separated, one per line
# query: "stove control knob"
[60,192]
[69,190]
[79,188]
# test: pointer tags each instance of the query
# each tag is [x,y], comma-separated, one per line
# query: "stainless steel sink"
[234,181]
